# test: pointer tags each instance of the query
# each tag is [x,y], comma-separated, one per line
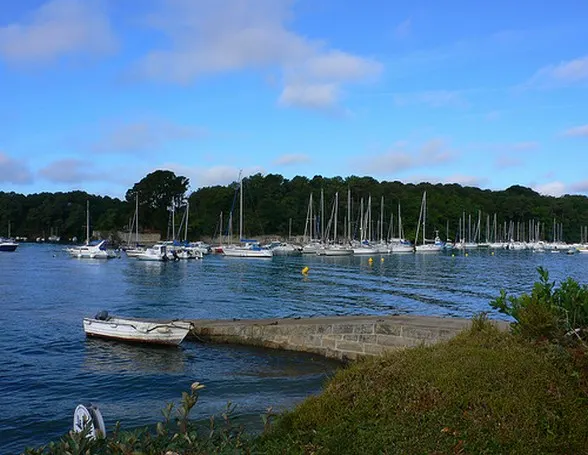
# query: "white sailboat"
[134,252]
[425,247]
[333,249]
[88,251]
[248,248]
[364,246]
[400,244]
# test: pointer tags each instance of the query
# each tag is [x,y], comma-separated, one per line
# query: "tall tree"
[158,193]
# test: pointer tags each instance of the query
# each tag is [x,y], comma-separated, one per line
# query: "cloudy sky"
[94,94]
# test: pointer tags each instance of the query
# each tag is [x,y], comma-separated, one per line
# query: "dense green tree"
[158,193]
[273,203]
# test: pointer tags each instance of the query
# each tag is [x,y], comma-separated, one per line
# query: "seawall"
[341,337]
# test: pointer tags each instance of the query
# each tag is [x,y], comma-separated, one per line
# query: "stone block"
[367,338]
[420,333]
[385,328]
[349,346]
[374,349]
[393,341]
[328,342]
[342,328]
[350,337]
[367,328]
[324,329]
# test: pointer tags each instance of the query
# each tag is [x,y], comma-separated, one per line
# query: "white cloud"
[288,160]
[460,179]
[57,28]
[71,170]
[577,131]
[555,188]
[312,96]
[524,146]
[465,180]
[210,176]
[507,161]
[565,73]
[14,171]
[432,153]
[230,35]
[143,136]
[580,187]
[432,98]
[403,29]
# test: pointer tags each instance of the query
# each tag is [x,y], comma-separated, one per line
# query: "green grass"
[485,391]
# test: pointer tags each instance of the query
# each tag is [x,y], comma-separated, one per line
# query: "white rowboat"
[170,332]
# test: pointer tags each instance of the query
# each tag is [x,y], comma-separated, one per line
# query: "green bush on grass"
[549,313]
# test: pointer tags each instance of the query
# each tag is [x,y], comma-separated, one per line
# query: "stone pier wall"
[342,337]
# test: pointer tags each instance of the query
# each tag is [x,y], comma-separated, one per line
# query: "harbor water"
[47,366]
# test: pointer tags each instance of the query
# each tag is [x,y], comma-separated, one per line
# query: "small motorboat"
[165,332]
[7,244]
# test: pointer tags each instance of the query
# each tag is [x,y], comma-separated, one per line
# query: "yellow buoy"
[466,255]
[452,255]
[370,260]
[381,259]
[492,253]
[305,270]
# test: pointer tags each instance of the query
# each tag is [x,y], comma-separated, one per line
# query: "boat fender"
[102,316]
[89,416]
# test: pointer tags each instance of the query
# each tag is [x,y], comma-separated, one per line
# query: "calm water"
[47,366]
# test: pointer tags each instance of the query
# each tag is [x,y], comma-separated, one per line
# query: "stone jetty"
[341,337]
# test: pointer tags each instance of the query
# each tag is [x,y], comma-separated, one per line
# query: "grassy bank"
[483,392]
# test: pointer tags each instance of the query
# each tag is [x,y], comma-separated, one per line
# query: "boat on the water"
[95,251]
[165,332]
[8,245]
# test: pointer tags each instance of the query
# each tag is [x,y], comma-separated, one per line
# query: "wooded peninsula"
[274,205]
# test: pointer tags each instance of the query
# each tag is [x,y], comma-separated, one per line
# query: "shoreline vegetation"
[277,206]
[484,391]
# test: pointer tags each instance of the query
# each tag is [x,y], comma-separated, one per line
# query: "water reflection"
[116,357]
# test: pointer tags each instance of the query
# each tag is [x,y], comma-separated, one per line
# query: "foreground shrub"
[173,436]
[485,391]
[555,314]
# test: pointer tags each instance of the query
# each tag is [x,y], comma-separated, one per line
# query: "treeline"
[274,205]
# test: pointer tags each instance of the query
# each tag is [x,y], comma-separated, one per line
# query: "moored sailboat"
[436,245]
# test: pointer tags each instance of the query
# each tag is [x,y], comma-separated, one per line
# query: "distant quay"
[339,337]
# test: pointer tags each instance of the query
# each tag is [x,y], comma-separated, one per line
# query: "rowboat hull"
[170,333]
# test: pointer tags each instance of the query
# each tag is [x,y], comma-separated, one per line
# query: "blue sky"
[95,94]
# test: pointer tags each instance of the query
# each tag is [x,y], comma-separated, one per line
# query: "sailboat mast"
[336,214]
[187,214]
[349,214]
[369,219]
[173,219]
[240,207]
[88,222]
[137,218]
[361,229]
[424,216]
[382,219]
[322,215]
[400,236]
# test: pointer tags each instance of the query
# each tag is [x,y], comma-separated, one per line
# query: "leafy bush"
[173,436]
[555,314]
